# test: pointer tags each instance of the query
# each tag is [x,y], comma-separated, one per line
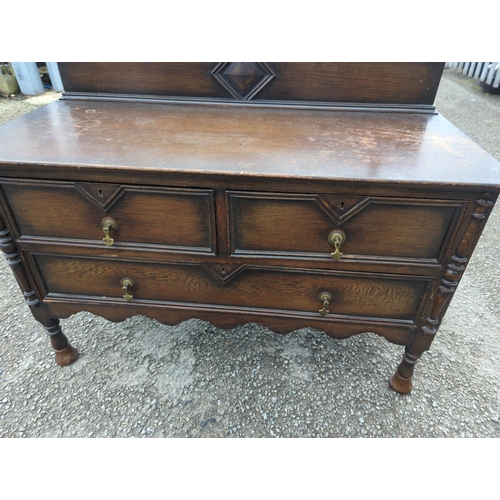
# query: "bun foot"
[66,356]
[400,384]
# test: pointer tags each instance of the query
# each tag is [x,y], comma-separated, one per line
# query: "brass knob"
[109,225]
[336,238]
[325,297]
[127,283]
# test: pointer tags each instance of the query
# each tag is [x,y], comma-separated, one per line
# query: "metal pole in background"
[28,78]
[55,77]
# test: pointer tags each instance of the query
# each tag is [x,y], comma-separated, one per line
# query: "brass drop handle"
[127,283]
[109,225]
[325,297]
[336,238]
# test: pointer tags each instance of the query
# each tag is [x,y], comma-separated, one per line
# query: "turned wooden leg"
[65,352]
[401,381]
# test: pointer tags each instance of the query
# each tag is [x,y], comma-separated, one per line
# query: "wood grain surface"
[178,218]
[383,296]
[156,139]
[408,83]
[383,227]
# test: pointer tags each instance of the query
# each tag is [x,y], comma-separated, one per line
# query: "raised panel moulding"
[243,80]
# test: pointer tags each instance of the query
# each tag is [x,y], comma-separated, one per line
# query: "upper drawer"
[384,229]
[175,219]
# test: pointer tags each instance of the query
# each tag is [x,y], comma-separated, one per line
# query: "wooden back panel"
[376,83]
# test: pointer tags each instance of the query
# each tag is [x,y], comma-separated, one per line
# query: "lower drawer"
[352,294]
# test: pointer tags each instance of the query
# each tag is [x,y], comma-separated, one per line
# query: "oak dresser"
[323,195]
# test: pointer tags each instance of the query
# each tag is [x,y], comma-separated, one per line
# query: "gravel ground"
[140,378]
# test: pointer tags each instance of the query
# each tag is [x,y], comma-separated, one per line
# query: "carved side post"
[401,381]
[65,353]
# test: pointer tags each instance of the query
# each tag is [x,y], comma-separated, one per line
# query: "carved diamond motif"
[243,80]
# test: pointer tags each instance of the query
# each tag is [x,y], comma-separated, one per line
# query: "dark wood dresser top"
[373,147]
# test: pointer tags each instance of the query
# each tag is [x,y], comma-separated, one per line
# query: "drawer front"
[353,294]
[294,225]
[180,219]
